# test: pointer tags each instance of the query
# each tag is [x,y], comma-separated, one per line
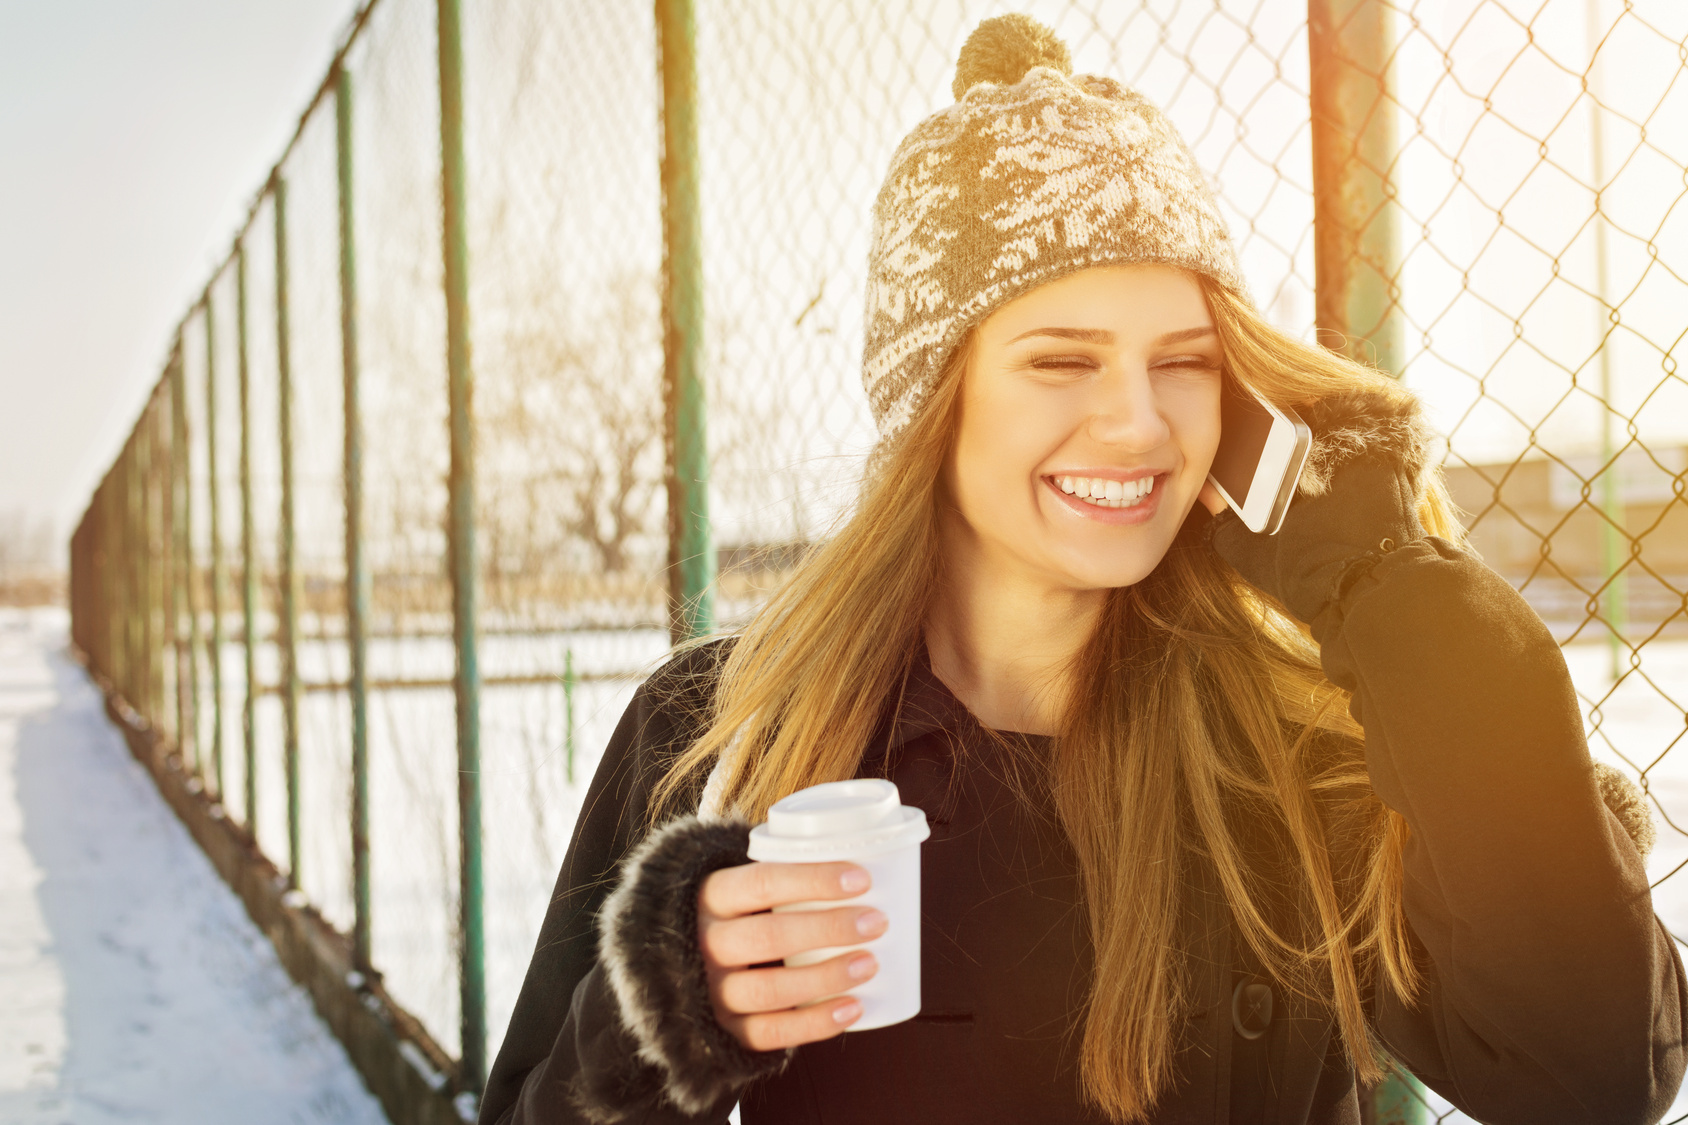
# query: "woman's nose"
[1126,413]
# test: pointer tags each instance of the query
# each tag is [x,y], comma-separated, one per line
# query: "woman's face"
[1089,416]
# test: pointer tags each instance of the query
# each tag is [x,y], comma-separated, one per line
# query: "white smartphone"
[1261,451]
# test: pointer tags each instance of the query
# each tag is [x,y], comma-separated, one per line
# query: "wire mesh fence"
[1482,196]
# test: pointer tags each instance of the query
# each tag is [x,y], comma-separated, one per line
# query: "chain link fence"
[335,618]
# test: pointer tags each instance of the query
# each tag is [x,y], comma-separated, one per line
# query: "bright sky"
[134,135]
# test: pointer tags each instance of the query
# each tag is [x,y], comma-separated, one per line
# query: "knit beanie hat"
[1033,173]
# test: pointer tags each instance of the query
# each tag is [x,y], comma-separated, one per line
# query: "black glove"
[1357,502]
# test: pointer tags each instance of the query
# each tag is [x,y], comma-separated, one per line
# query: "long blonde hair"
[1191,676]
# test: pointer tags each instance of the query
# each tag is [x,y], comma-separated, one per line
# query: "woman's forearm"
[1556,994]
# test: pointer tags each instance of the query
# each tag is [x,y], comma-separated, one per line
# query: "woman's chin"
[1090,562]
[1108,573]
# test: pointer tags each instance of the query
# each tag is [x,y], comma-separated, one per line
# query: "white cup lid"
[835,808]
[836,819]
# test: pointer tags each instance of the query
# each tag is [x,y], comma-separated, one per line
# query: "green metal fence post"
[79,608]
[187,663]
[88,638]
[196,641]
[127,518]
[158,536]
[691,553]
[158,556]
[93,551]
[289,625]
[163,556]
[464,570]
[122,641]
[137,572]
[113,580]
[1357,256]
[158,476]
[135,659]
[137,621]
[1613,529]
[94,629]
[248,559]
[78,615]
[164,716]
[173,545]
[109,576]
[142,563]
[217,576]
[132,549]
[117,578]
[120,579]
[569,682]
[142,566]
[156,561]
[164,477]
[357,573]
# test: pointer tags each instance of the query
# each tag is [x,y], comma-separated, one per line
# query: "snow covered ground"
[135,987]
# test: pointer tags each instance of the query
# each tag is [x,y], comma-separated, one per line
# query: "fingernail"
[847,1012]
[860,968]
[870,922]
[854,881]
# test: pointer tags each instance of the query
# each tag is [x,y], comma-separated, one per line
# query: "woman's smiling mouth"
[1109,499]
[1106,493]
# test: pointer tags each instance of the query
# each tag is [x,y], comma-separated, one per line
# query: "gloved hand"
[1358,501]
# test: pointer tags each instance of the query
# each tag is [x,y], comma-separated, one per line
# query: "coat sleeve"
[568,1055]
[1553,992]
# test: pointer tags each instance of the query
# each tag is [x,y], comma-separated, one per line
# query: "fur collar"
[1370,423]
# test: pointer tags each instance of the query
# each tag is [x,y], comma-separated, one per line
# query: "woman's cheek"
[1199,430]
[1011,434]
[991,462]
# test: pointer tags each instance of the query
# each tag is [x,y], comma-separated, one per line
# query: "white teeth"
[1105,493]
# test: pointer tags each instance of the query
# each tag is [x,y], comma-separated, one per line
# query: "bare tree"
[27,546]
[571,422]
[31,567]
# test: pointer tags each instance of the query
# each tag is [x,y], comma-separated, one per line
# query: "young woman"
[1218,819]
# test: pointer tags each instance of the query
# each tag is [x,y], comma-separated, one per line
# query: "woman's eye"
[1188,364]
[1062,363]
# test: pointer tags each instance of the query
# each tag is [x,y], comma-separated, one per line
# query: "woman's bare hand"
[768,1009]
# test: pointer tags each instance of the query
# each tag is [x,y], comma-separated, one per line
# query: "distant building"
[1540,523]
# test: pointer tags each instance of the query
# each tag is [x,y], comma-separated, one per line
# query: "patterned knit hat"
[1033,173]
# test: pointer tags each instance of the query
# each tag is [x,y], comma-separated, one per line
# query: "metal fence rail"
[426,485]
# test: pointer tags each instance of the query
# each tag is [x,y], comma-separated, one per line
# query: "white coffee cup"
[864,822]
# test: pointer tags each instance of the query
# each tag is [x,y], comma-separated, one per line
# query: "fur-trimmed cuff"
[1374,423]
[648,947]
[1624,798]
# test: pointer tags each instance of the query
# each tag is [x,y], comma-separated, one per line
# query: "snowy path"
[135,988]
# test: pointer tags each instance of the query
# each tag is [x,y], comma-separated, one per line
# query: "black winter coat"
[1554,993]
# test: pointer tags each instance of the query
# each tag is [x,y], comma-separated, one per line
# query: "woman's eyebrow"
[1087,335]
[1183,334]
[1103,336]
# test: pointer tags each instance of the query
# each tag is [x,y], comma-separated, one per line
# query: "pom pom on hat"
[1002,49]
